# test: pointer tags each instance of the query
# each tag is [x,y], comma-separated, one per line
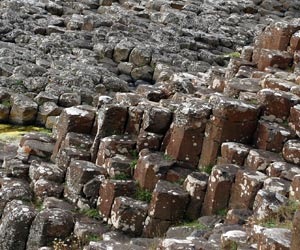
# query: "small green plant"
[253,101]
[233,55]
[133,163]
[222,212]
[94,238]
[92,213]
[180,181]
[195,224]
[168,157]
[283,217]
[121,177]
[143,195]
[207,169]
[6,103]
[285,123]
[233,246]
[38,205]
[19,82]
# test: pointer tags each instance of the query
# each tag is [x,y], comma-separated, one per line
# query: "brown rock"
[271,136]
[134,121]
[274,58]
[151,168]
[187,132]
[295,188]
[109,190]
[277,103]
[234,153]
[247,183]
[129,215]
[149,140]
[283,170]
[113,145]
[291,151]
[266,204]
[232,120]
[274,239]
[294,42]
[73,119]
[156,120]
[294,120]
[238,216]
[108,124]
[219,188]
[259,159]
[195,184]
[296,232]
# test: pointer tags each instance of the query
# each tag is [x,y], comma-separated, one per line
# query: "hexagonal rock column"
[276,102]
[23,110]
[233,153]
[296,232]
[260,160]
[271,136]
[78,174]
[283,170]
[167,207]
[266,203]
[277,35]
[111,120]
[109,190]
[76,146]
[13,189]
[232,120]
[277,185]
[15,224]
[38,144]
[48,225]
[274,239]
[219,188]
[295,188]
[156,119]
[74,119]
[195,184]
[246,185]
[134,121]
[294,120]
[291,151]
[115,144]
[280,59]
[129,215]
[151,168]
[187,132]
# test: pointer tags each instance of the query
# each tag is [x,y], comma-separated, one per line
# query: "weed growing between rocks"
[283,217]
[92,213]
[143,195]
[195,224]
[207,169]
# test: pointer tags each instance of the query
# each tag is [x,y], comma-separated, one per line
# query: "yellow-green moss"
[13,133]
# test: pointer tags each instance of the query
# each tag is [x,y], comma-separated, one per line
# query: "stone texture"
[221,178]
[48,225]
[109,190]
[247,184]
[195,184]
[151,168]
[129,215]
[15,225]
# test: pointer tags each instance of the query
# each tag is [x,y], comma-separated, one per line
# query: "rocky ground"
[175,124]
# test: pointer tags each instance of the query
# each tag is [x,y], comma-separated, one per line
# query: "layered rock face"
[156,121]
